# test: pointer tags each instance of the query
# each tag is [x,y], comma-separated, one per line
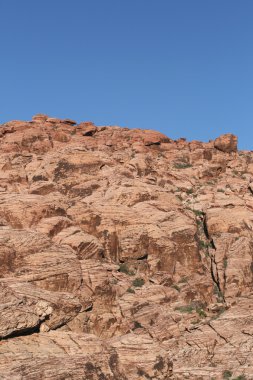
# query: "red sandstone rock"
[40,117]
[123,254]
[226,143]
[69,121]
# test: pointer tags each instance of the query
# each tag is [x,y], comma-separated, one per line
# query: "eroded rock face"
[123,254]
[226,143]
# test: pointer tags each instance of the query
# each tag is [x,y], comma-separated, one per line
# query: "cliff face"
[124,254]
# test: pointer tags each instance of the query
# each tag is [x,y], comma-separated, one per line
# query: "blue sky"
[183,67]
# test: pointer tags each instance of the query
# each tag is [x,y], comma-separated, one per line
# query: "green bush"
[138,282]
[201,312]
[196,306]
[137,325]
[123,268]
[182,165]
[185,309]
[203,244]
[227,374]
[198,212]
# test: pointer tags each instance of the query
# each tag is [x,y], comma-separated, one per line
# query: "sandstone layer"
[124,255]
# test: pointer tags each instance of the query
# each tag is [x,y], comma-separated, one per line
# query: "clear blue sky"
[184,67]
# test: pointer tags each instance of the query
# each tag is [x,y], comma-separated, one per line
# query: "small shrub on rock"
[138,282]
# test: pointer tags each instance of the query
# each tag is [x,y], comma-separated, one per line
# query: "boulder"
[226,143]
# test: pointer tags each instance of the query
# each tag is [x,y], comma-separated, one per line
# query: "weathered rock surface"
[226,143]
[123,254]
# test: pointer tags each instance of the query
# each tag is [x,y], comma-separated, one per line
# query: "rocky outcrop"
[226,143]
[124,254]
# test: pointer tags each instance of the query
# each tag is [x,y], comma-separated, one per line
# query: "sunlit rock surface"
[123,254]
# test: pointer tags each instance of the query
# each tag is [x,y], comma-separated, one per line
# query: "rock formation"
[124,255]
